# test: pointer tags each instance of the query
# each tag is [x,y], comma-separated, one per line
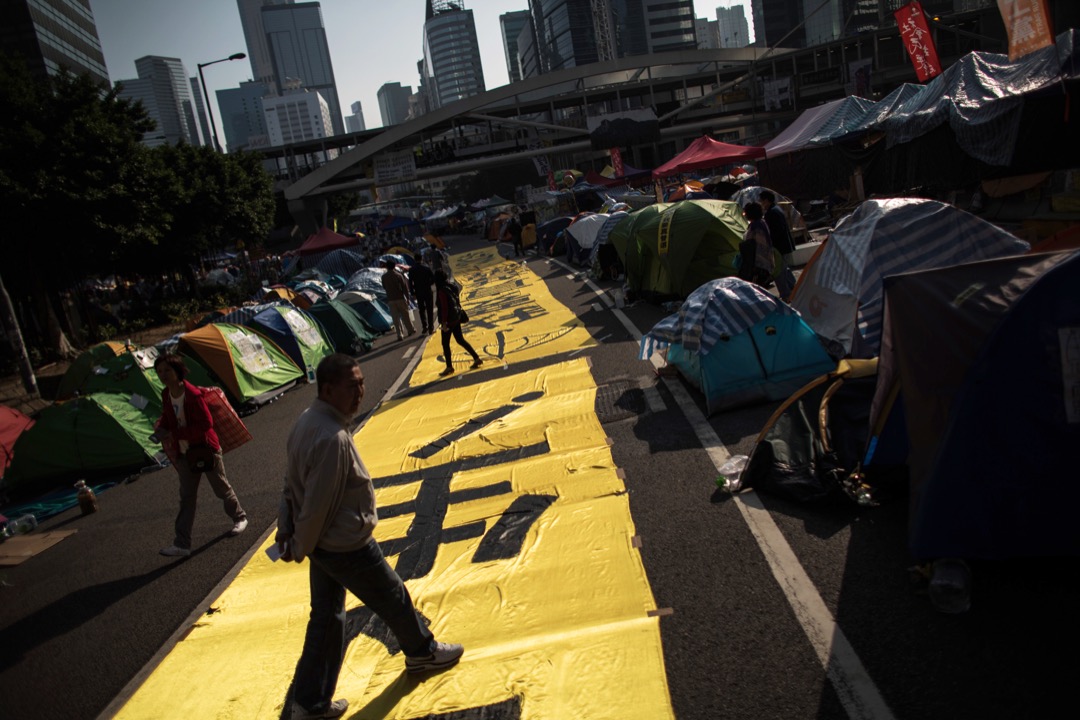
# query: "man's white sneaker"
[335,709]
[442,656]
[173,551]
[239,527]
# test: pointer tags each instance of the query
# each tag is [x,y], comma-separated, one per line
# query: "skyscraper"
[50,34]
[355,122]
[262,69]
[511,24]
[165,91]
[734,30]
[394,103]
[296,115]
[708,33]
[200,110]
[452,68]
[243,117]
[296,41]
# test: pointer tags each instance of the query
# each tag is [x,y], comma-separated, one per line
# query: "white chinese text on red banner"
[916,35]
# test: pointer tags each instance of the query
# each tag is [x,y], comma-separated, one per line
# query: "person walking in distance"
[780,234]
[421,281]
[327,515]
[397,297]
[448,307]
[756,251]
[186,420]
[513,232]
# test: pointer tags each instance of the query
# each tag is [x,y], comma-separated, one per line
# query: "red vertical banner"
[916,35]
[1027,24]
[616,161]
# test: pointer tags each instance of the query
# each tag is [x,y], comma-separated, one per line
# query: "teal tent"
[738,345]
[344,326]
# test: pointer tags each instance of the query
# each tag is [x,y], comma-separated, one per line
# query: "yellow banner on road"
[512,317]
[503,511]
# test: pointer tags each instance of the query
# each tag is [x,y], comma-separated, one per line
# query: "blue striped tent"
[738,344]
[840,292]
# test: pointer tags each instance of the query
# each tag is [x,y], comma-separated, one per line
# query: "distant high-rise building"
[394,103]
[528,51]
[564,33]
[258,52]
[669,25]
[571,33]
[165,91]
[243,116]
[734,31]
[50,34]
[452,68]
[296,115]
[355,122]
[511,24]
[804,23]
[296,41]
[200,110]
[708,33]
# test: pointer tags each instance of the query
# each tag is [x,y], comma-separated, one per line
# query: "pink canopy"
[326,240]
[708,153]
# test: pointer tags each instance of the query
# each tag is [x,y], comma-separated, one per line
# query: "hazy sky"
[371,41]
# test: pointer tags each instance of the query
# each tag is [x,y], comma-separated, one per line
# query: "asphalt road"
[81,620]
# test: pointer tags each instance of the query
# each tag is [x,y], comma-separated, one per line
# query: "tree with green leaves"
[72,183]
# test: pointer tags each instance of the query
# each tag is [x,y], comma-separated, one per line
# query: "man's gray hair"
[334,368]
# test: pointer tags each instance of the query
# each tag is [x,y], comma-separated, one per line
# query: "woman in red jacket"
[448,308]
[186,420]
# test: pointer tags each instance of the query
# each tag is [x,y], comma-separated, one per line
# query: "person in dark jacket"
[756,251]
[186,420]
[780,234]
[449,310]
[421,280]
[513,232]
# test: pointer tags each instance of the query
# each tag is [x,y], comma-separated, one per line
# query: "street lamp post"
[206,95]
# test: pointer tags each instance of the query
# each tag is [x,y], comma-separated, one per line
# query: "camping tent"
[706,153]
[839,292]
[250,369]
[343,262]
[132,373]
[284,293]
[374,312]
[12,424]
[993,339]
[673,248]
[738,344]
[92,435]
[368,280]
[295,333]
[344,326]
[84,364]
[581,236]
[324,240]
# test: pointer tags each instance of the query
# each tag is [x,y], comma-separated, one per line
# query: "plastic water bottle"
[86,497]
[22,524]
[950,586]
[730,479]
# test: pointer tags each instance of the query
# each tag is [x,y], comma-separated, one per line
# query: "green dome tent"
[344,326]
[130,372]
[671,249]
[83,365]
[251,368]
[92,435]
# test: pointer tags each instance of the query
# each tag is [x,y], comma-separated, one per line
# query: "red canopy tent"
[12,424]
[325,240]
[708,153]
